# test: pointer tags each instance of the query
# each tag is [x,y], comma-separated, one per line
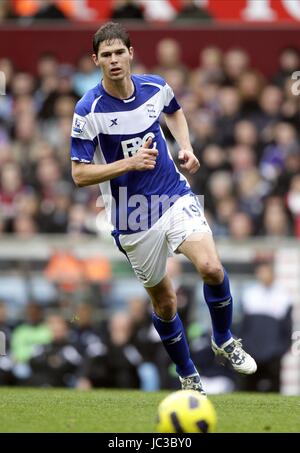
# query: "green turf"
[50,410]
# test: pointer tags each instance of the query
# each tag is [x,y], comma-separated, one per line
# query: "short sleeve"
[170,101]
[83,140]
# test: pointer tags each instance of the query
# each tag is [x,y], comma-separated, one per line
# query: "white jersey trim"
[128,122]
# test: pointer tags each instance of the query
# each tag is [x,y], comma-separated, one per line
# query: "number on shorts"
[192,211]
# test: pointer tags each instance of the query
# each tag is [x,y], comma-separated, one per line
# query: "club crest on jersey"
[79,125]
[151,110]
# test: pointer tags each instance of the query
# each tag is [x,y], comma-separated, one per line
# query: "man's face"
[114,60]
[265,274]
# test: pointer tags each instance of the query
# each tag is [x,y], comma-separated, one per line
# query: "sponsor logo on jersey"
[131,146]
[114,122]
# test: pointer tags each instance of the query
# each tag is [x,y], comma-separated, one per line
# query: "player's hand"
[145,158]
[189,161]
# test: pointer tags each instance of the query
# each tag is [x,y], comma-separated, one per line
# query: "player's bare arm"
[178,127]
[86,174]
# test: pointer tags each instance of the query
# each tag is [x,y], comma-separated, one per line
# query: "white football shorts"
[148,251]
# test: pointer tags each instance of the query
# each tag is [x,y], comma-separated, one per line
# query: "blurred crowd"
[244,129]
[86,345]
[28,12]
[46,348]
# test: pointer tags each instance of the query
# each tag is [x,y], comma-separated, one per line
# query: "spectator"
[236,62]
[127,9]
[242,159]
[115,363]
[229,105]
[240,226]
[190,11]
[250,85]
[224,211]
[168,55]
[245,133]
[11,187]
[276,222]
[177,78]
[289,61]
[5,325]
[77,221]
[266,328]
[86,76]
[293,202]
[47,65]
[56,363]
[213,159]
[190,105]
[83,331]
[211,59]
[252,190]
[270,112]
[22,83]
[291,169]
[6,11]
[25,338]
[6,364]
[220,186]
[65,271]
[274,155]
[54,215]
[49,10]
[210,66]
[56,88]
[24,226]
[202,127]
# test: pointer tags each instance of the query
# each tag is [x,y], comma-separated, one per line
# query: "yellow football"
[186,411]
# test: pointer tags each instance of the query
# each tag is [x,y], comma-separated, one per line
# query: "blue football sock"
[174,339]
[219,301]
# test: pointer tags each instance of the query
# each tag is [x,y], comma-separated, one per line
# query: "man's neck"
[122,89]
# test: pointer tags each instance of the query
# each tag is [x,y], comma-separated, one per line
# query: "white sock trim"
[165,320]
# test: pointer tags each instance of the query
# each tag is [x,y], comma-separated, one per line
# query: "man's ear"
[131,52]
[95,59]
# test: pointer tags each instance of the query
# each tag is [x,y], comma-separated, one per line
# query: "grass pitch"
[116,411]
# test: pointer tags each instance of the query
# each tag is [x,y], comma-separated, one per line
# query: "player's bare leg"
[200,249]
[171,331]
[163,298]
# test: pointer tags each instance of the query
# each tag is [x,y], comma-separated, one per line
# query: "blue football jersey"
[106,129]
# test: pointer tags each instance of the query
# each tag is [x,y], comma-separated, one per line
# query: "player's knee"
[212,272]
[166,307]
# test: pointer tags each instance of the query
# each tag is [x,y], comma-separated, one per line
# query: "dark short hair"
[109,32]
